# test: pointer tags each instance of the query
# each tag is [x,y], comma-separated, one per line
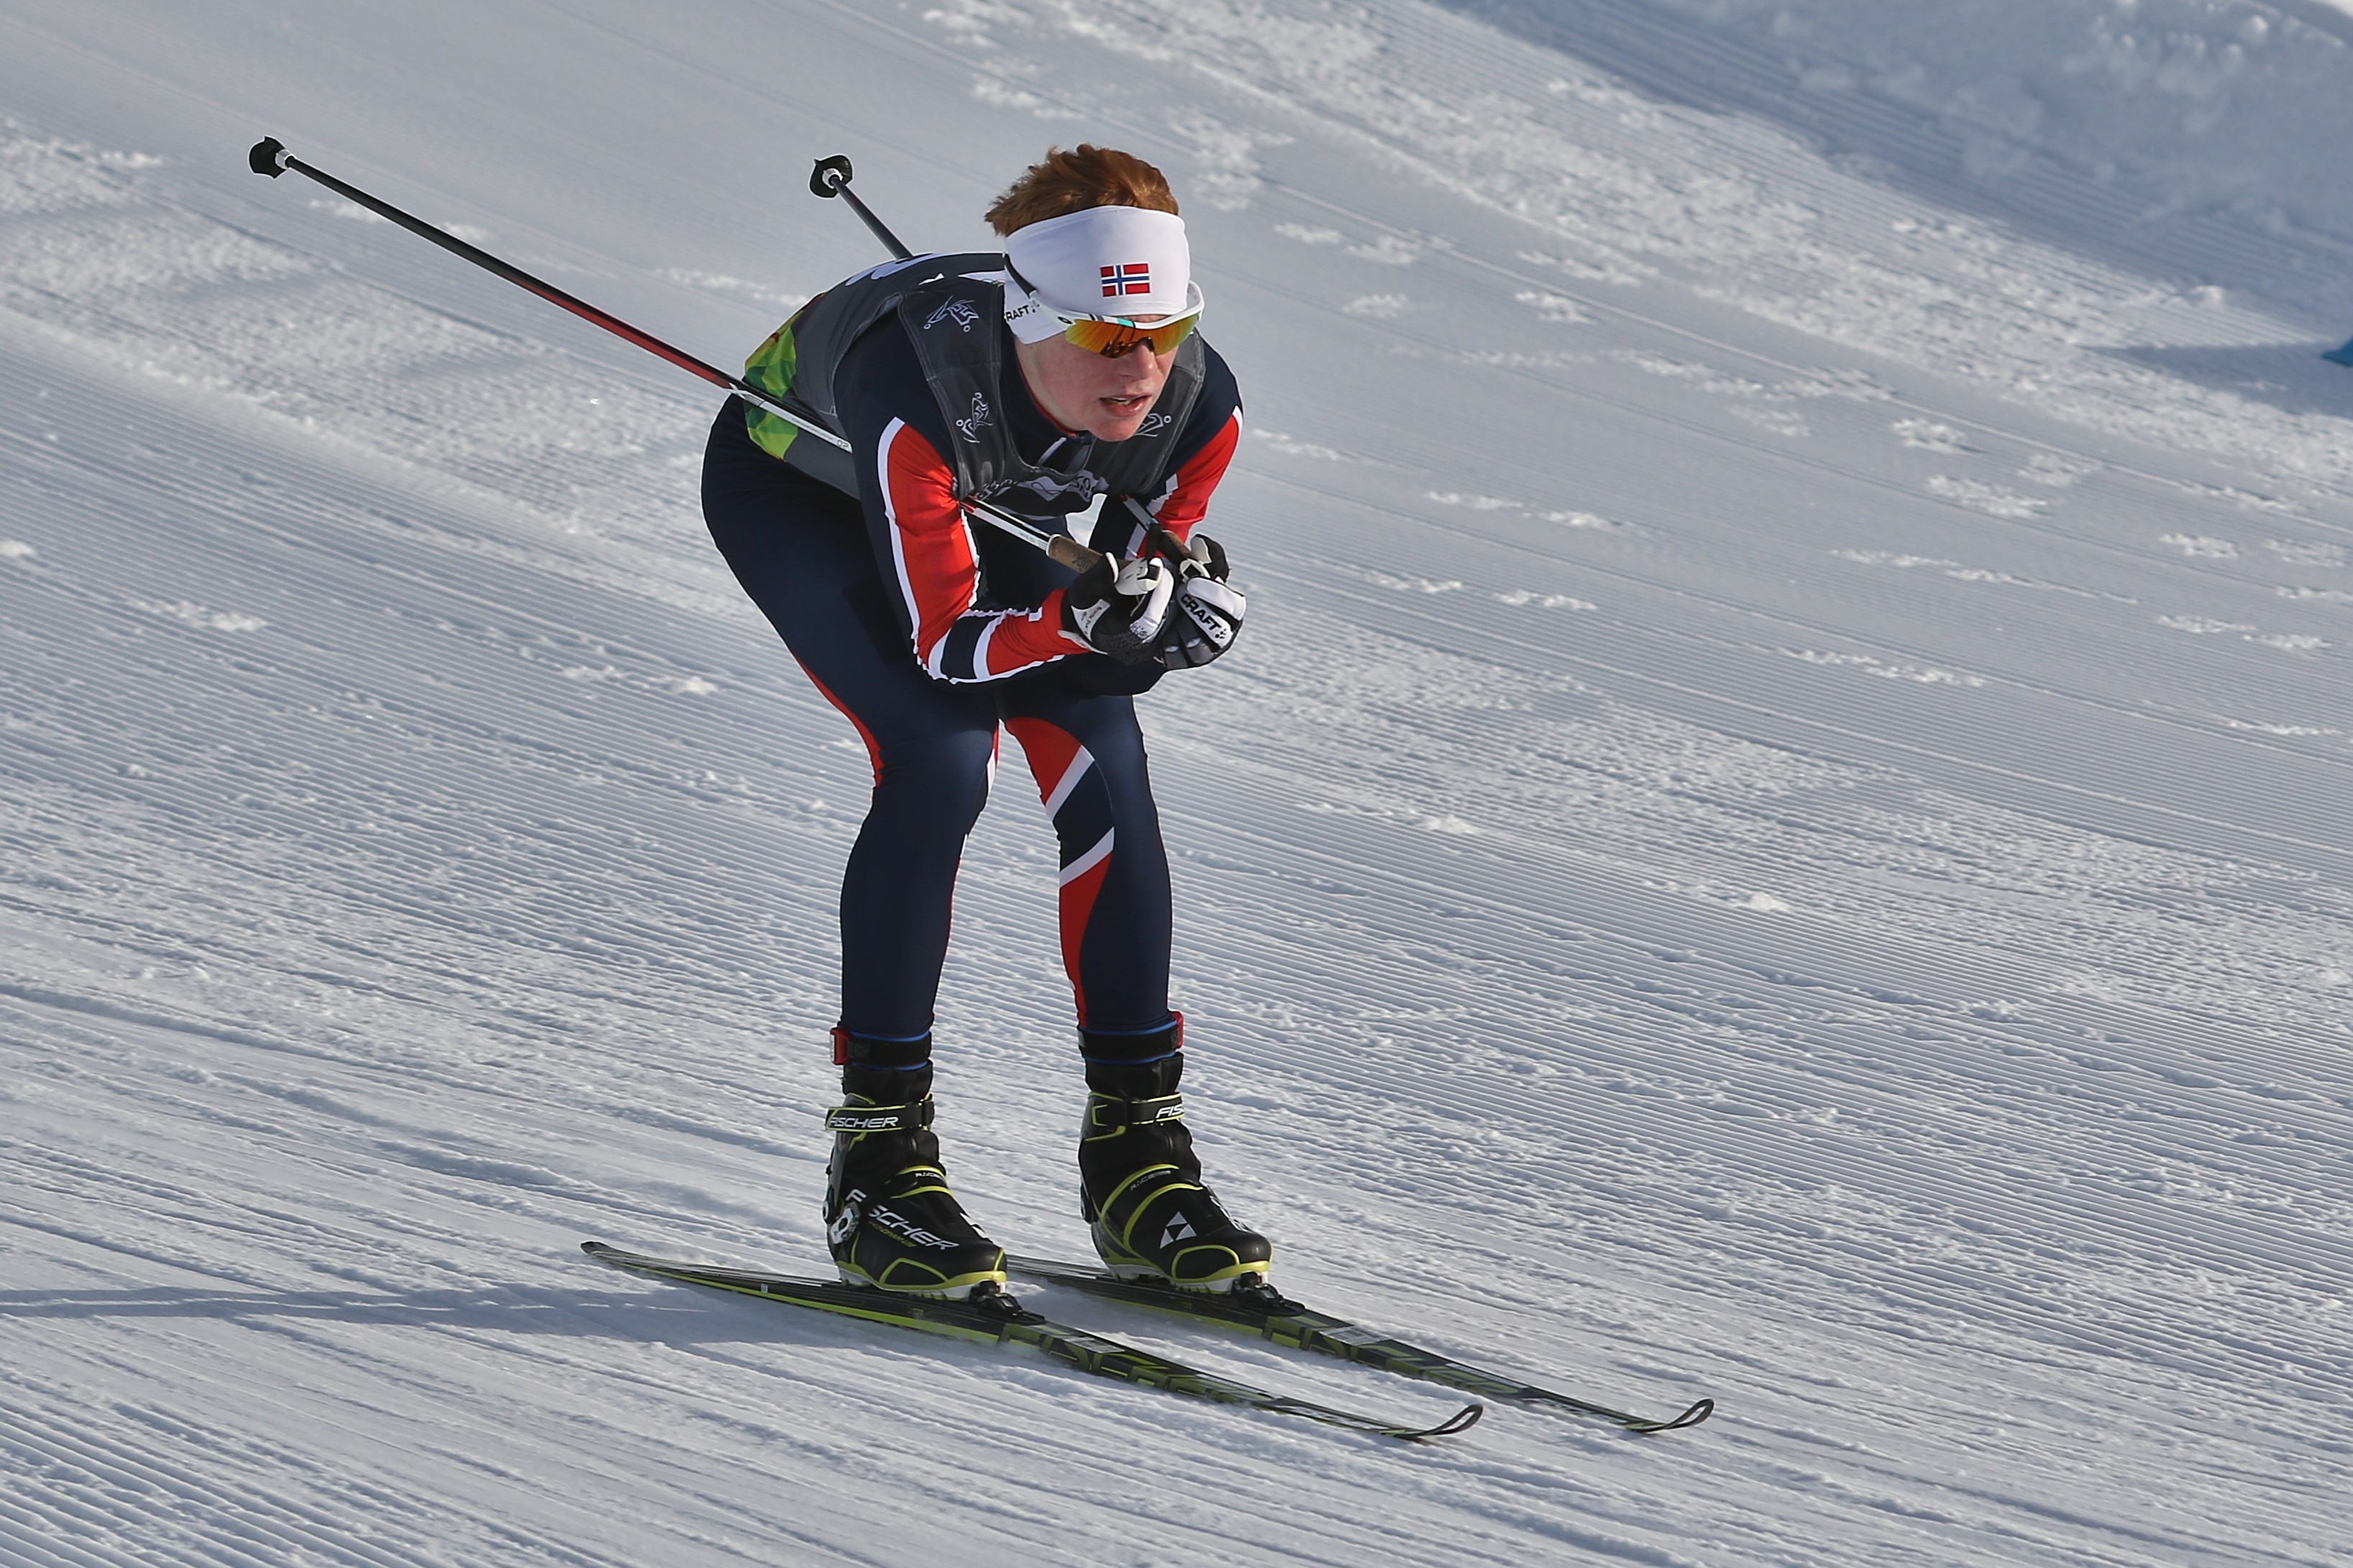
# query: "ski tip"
[1462,1420]
[1700,1410]
[267,157]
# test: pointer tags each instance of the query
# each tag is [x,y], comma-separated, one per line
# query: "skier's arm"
[1182,497]
[935,565]
[1206,613]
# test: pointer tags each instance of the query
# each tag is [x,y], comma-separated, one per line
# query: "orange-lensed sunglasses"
[1113,337]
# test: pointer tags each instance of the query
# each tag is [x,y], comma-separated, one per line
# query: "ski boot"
[1140,1186]
[890,1220]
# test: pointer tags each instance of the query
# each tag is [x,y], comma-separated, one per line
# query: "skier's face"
[1082,390]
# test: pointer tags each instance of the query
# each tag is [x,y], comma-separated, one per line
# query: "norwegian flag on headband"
[1113,260]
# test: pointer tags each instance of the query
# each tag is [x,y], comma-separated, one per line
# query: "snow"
[1779,830]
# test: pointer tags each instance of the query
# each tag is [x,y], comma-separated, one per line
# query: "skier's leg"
[1140,1183]
[800,551]
[1087,755]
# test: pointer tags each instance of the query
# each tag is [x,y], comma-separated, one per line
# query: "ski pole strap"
[1107,1112]
[880,1118]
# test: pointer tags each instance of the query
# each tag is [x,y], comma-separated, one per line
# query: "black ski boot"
[890,1219]
[1140,1186]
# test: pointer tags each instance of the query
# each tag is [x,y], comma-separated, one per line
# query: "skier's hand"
[1207,614]
[1121,608]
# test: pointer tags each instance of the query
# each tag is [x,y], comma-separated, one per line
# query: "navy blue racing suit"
[930,633]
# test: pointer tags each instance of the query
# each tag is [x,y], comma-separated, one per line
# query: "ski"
[1272,1316]
[1001,1319]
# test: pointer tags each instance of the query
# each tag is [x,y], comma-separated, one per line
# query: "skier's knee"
[949,777]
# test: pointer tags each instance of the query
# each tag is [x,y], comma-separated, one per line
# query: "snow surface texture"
[1781,828]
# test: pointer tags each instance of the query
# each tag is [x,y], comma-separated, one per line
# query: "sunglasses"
[1116,337]
[1113,337]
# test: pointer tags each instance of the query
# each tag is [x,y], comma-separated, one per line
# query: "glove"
[1206,614]
[1121,608]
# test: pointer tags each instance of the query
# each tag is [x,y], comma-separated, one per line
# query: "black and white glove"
[1121,608]
[1206,614]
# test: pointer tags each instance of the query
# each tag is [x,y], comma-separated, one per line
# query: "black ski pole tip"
[829,175]
[265,157]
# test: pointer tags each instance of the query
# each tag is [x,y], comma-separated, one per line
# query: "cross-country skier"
[1060,379]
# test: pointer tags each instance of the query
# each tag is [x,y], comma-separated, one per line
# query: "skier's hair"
[1086,177]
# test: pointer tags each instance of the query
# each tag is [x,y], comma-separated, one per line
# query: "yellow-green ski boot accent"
[1141,1190]
[890,1219]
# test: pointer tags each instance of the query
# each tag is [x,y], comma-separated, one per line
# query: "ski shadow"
[671,1313]
[2292,377]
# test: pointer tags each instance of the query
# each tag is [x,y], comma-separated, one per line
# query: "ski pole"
[270,157]
[830,178]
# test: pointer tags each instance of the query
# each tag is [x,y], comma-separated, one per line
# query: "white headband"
[1098,261]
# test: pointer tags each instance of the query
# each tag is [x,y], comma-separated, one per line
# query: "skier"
[1062,380]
